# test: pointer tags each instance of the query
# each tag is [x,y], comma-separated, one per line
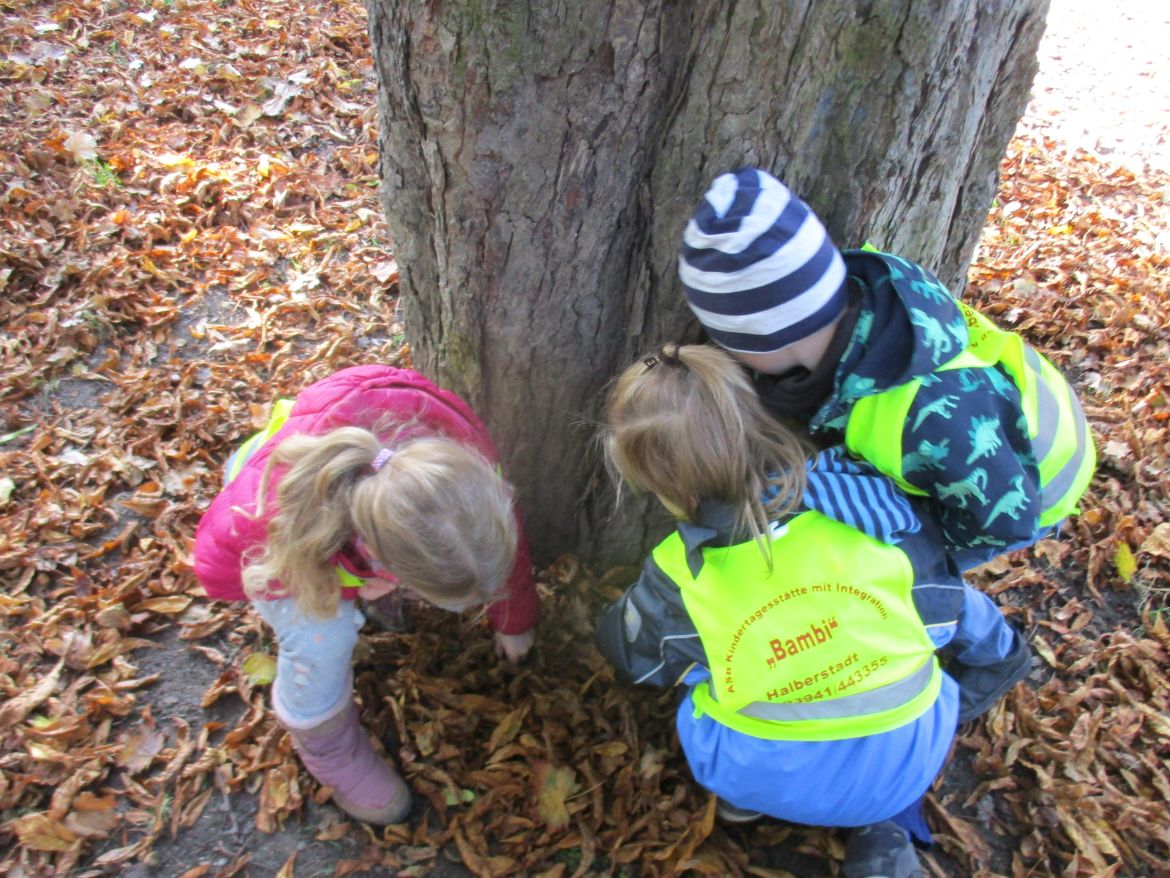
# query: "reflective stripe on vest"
[885,697]
[1061,440]
[801,652]
[253,443]
[235,464]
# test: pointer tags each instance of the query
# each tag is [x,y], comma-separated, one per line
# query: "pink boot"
[338,753]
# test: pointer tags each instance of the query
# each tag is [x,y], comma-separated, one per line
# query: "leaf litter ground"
[190,228]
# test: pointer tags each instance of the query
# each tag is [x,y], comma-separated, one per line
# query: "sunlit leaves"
[259,668]
[553,785]
[125,213]
[191,228]
[39,832]
[81,145]
[1125,562]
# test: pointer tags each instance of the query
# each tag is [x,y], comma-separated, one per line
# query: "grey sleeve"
[647,635]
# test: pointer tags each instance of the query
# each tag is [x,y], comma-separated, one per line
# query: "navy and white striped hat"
[758,268]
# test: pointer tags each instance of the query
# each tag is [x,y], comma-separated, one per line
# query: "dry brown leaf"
[507,729]
[18,707]
[552,786]
[92,824]
[139,749]
[168,605]
[39,832]
[286,871]
[1158,542]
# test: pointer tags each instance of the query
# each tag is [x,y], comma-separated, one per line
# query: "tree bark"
[539,162]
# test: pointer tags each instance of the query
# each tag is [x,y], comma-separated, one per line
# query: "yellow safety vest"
[825,646]
[1061,440]
[280,412]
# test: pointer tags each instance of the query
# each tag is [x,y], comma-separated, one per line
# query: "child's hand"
[514,647]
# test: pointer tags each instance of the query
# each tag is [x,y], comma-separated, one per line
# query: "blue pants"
[313,675]
[856,781]
[982,636]
[850,782]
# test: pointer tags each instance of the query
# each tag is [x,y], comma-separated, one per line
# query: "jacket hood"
[837,487]
[909,324]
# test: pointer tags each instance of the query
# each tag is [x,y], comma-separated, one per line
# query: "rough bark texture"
[539,162]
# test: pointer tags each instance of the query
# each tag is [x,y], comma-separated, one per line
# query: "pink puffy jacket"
[359,396]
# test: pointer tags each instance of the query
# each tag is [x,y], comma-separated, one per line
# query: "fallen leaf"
[463,797]
[38,832]
[507,729]
[1125,561]
[385,271]
[139,749]
[260,668]
[168,605]
[92,824]
[553,785]
[82,145]
[1158,542]
[17,708]
[286,871]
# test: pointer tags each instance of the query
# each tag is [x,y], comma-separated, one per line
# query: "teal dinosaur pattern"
[971,380]
[934,334]
[1022,425]
[982,380]
[982,540]
[928,456]
[1010,504]
[985,438]
[944,407]
[932,291]
[1000,383]
[930,380]
[965,442]
[835,423]
[965,490]
[864,327]
[856,386]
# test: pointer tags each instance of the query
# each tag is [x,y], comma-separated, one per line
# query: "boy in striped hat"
[872,349]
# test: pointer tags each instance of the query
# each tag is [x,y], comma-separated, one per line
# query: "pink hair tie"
[380,458]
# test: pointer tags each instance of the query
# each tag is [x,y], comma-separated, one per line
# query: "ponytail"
[686,425]
[433,512]
[313,521]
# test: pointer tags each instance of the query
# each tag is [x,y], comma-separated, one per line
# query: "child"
[801,610]
[373,479]
[870,345]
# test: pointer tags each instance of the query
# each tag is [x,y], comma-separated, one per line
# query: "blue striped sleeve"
[855,494]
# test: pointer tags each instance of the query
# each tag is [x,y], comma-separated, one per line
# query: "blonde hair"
[436,514]
[686,425]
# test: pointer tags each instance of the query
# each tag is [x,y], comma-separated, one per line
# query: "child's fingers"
[514,647]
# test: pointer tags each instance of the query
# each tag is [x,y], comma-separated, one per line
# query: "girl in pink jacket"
[373,479]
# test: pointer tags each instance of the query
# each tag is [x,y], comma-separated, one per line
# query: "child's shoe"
[729,813]
[338,753]
[880,850]
[980,687]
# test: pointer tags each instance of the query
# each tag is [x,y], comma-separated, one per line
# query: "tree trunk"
[539,162]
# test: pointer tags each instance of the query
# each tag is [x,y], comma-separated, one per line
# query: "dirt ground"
[1101,88]
[1102,81]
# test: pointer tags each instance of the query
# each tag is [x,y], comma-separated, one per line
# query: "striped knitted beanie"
[757,266]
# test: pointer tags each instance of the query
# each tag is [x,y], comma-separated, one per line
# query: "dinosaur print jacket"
[965,442]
